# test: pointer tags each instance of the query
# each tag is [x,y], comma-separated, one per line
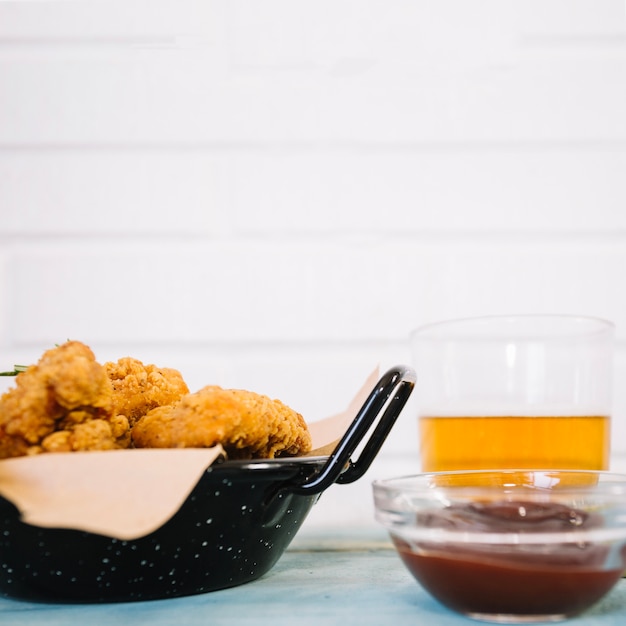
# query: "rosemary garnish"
[16,370]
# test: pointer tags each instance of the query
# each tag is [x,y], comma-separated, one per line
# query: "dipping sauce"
[551,580]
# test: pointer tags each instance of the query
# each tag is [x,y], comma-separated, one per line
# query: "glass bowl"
[509,546]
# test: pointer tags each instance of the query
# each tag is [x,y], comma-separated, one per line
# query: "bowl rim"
[419,482]
[398,500]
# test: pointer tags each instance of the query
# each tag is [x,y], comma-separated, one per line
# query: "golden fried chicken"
[93,434]
[66,389]
[247,424]
[69,402]
[139,388]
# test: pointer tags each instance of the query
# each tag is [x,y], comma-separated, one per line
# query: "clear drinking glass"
[526,391]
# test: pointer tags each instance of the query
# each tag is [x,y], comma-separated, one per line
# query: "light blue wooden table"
[325,579]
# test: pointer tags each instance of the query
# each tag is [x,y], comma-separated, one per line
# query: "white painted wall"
[271,194]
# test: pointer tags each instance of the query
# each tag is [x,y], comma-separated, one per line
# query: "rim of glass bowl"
[397,500]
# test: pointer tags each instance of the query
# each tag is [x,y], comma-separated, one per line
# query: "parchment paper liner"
[129,493]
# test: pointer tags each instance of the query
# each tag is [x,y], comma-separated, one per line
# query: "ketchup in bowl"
[535,579]
[509,553]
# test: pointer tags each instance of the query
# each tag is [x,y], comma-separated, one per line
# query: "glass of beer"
[514,392]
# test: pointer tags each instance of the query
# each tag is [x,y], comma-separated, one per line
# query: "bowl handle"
[386,401]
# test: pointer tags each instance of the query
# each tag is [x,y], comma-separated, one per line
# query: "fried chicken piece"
[247,424]
[94,434]
[139,388]
[66,389]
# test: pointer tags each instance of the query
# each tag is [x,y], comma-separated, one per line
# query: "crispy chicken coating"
[94,434]
[139,388]
[69,402]
[66,389]
[247,424]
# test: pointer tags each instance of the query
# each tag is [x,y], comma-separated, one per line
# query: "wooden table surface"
[324,578]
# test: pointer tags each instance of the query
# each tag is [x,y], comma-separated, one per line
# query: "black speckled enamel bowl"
[232,528]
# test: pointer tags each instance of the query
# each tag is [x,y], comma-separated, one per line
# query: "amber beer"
[514,392]
[513,442]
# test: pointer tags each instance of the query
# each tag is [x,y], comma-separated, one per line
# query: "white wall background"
[271,194]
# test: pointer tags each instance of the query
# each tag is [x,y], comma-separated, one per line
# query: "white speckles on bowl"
[194,552]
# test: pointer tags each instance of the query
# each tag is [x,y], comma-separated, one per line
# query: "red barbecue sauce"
[539,579]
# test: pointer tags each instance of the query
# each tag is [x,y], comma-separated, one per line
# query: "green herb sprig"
[16,370]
